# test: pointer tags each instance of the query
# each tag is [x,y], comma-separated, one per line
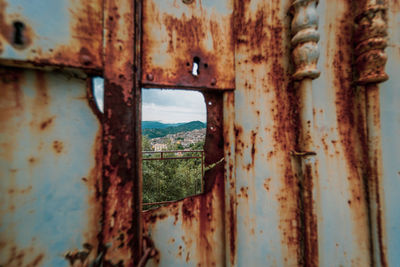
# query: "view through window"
[173,134]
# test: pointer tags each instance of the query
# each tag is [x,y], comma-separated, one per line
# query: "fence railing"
[178,155]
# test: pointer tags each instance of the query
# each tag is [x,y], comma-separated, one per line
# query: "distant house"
[160,147]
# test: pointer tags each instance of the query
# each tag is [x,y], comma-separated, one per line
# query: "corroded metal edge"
[370,42]
[121,234]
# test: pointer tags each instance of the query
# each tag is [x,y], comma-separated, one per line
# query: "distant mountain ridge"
[158,125]
[159,129]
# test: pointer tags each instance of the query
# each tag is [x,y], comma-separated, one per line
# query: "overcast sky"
[167,106]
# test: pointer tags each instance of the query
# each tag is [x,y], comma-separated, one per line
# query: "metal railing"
[169,157]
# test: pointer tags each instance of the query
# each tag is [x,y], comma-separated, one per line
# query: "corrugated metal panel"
[50,168]
[62,33]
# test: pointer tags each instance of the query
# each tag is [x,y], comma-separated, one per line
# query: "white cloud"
[172,106]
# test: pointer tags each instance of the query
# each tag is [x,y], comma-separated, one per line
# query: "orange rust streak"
[202,217]
[180,33]
[121,184]
[261,38]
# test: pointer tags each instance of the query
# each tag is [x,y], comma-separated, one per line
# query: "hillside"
[163,131]
[158,125]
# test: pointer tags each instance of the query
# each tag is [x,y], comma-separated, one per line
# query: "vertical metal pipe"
[375,173]
[305,57]
[370,42]
[306,115]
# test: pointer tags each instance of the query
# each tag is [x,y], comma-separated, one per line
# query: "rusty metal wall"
[267,213]
[62,33]
[274,214]
[302,132]
[177,32]
[339,117]
[50,169]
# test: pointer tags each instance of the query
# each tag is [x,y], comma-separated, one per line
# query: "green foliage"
[166,180]
[161,132]
[146,146]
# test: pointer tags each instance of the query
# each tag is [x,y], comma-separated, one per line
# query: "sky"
[165,105]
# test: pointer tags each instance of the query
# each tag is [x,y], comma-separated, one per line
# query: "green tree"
[165,180]
[146,146]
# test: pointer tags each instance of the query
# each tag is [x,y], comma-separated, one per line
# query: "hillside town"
[184,139]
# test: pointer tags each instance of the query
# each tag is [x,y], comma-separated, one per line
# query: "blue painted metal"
[49,139]
[254,213]
[390,132]
[66,33]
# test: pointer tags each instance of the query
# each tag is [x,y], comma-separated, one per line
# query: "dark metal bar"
[158,203]
[122,183]
[171,158]
[172,151]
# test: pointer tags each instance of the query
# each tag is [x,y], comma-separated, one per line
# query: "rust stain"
[310,226]
[84,49]
[81,257]
[46,123]
[346,119]
[22,257]
[187,37]
[267,182]
[8,30]
[253,147]
[201,215]
[262,37]
[121,186]
[58,146]
[233,229]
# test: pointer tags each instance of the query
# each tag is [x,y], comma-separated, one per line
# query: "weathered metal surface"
[339,117]
[230,179]
[389,95]
[178,34]
[190,231]
[267,192]
[50,169]
[370,42]
[305,56]
[121,230]
[61,33]
[257,209]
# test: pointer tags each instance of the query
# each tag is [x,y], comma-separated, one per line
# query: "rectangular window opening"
[173,134]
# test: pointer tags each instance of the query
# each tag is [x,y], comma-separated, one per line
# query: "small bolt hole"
[19,27]
[205,65]
[187,64]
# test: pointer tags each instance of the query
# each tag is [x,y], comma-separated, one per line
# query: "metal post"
[305,57]
[370,42]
